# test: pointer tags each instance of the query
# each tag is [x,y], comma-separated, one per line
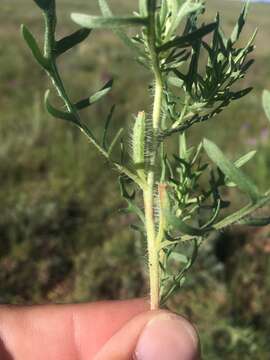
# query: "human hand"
[115,330]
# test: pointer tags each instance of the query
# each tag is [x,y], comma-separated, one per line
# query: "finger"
[153,336]
[62,332]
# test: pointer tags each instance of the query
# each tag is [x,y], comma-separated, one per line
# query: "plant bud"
[138,143]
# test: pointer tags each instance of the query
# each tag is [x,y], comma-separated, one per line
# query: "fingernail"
[167,336]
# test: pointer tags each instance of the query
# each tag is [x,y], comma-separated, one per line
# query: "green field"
[62,237]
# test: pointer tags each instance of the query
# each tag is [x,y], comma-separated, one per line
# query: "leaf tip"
[79,19]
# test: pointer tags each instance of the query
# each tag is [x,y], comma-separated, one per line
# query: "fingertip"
[153,335]
[167,336]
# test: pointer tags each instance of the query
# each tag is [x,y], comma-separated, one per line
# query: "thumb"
[154,335]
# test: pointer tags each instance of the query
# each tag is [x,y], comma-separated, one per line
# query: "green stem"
[149,192]
[49,53]
[153,252]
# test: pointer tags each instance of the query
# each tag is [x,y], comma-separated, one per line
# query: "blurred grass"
[61,236]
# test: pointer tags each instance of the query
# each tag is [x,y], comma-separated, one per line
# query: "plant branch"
[149,193]
[51,56]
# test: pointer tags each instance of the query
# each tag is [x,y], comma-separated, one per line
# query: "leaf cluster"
[194,209]
[205,90]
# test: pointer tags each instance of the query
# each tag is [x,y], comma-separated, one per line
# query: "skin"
[103,330]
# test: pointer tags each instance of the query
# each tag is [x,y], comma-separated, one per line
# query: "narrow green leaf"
[256,222]
[192,74]
[175,81]
[72,40]
[187,8]
[99,22]
[187,40]
[245,158]
[178,224]
[163,12]
[182,281]
[115,140]
[241,214]
[247,66]
[223,39]
[240,24]
[241,93]
[124,192]
[95,97]
[104,7]
[180,75]
[45,4]
[106,12]
[248,48]
[239,163]
[32,43]
[106,127]
[214,216]
[183,150]
[173,7]
[101,93]
[132,208]
[230,170]
[57,113]
[266,103]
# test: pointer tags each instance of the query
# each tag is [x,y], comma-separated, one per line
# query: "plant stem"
[149,192]
[153,261]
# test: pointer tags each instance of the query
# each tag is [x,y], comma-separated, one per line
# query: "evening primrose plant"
[177,198]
